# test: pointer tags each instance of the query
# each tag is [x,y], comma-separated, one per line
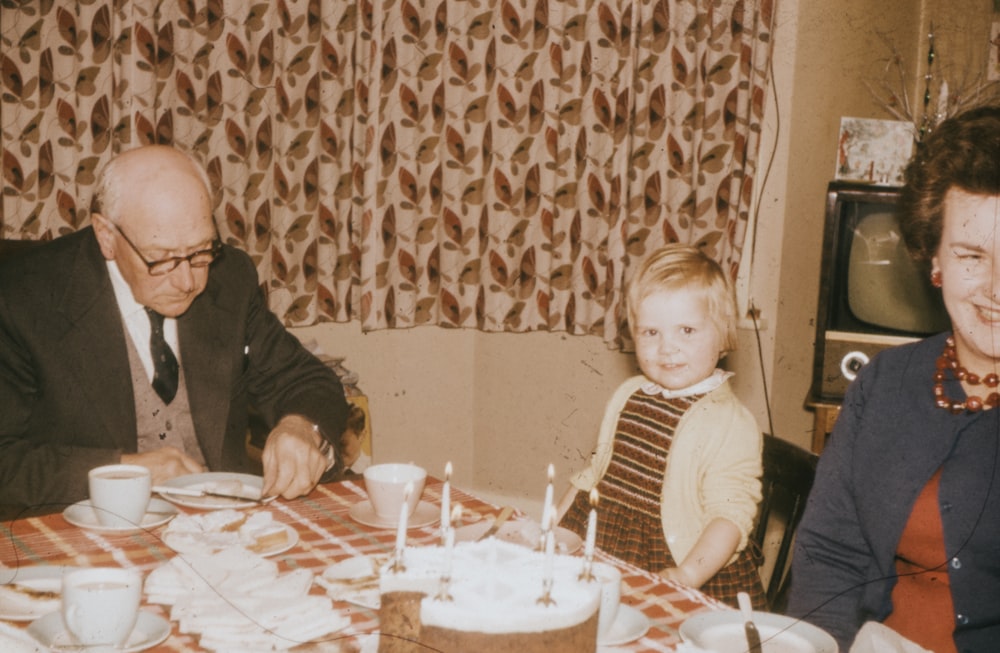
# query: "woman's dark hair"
[962,152]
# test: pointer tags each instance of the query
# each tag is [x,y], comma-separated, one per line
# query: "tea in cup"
[386,485]
[119,494]
[100,605]
[610,579]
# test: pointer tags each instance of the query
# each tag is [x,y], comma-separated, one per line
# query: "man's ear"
[105,235]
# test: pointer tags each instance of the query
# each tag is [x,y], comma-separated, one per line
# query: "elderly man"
[143,340]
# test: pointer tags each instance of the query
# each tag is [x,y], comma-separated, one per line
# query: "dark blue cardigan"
[889,440]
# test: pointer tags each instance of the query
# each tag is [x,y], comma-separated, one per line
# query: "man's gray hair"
[108,190]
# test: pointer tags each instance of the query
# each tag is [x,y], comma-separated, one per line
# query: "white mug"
[386,485]
[100,605]
[119,494]
[610,579]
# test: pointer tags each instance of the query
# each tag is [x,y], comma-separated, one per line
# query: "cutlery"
[497,523]
[753,636]
[192,492]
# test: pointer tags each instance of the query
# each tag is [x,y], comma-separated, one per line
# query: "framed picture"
[874,151]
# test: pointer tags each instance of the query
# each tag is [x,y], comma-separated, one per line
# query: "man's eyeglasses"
[200,259]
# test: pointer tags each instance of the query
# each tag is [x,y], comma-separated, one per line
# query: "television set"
[872,294]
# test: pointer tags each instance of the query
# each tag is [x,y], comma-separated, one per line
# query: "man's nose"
[182,277]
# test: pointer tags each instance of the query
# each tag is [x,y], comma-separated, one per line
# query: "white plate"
[227,482]
[17,606]
[521,531]
[150,630]
[208,543]
[630,624]
[425,515]
[722,631]
[81,514]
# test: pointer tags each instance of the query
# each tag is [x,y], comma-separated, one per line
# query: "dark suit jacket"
[66,402]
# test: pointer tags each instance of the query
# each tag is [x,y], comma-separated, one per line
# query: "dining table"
[327,534]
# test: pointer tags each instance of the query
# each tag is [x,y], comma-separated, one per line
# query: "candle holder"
[444,589]
[546,597]
[398,566]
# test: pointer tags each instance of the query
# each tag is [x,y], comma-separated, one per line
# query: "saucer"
[722,630]
[630,624]
[150,630]
[82,515]
[425,515]
[524,532]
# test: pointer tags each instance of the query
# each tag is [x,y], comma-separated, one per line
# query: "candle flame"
[593,498]
[552,472]
[447,471]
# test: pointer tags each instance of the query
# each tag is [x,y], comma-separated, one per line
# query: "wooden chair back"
[788,477]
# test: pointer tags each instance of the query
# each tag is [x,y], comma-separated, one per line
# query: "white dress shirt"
[136,321]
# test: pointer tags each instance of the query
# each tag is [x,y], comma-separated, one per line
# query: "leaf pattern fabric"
[488,164]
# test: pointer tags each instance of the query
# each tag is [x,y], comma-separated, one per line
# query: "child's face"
[676,341]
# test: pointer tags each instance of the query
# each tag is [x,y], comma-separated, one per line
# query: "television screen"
[885,288]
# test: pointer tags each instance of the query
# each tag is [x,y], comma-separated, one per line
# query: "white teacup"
[386,485]
[100,605]
[119,494]
[610,579]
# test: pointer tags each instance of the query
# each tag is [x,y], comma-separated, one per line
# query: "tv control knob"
[852,363]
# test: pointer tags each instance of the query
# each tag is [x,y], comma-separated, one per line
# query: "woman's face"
[967,260]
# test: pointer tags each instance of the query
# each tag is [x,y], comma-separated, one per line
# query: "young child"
[678,461]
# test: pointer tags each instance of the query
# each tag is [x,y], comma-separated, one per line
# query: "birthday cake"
[488,597]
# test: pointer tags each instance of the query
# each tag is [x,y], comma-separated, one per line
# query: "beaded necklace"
[948,360]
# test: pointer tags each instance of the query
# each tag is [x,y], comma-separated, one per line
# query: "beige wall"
[501,407]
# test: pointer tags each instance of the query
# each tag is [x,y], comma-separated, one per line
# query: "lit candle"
[547,507]
[588,550]
[446,499]
[404,512]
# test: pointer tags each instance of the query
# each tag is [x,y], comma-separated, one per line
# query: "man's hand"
[293,463]
[164,464]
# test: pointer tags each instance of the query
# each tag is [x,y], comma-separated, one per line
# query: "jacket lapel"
[206,333]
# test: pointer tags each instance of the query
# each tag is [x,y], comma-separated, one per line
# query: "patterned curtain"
[493,164]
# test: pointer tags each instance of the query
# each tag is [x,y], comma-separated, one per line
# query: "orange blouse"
[922,610]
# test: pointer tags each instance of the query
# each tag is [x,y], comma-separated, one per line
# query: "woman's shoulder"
[908,358]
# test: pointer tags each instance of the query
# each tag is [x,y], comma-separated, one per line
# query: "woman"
[903,522]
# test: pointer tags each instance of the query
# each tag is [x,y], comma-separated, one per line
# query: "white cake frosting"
[495,587]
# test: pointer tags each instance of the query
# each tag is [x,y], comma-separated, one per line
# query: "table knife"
[497,523]
[753,636]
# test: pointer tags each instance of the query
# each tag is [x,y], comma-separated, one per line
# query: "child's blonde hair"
[684,266]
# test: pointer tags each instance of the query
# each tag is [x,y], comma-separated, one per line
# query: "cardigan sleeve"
[831,555]
[713,472]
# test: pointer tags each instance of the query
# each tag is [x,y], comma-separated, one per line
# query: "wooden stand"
[826,417]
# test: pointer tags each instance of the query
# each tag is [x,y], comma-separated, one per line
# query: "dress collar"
[717,378]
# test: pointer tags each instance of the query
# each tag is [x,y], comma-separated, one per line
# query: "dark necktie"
[164,361]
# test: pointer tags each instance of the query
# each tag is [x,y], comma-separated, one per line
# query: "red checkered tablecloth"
[327,534]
